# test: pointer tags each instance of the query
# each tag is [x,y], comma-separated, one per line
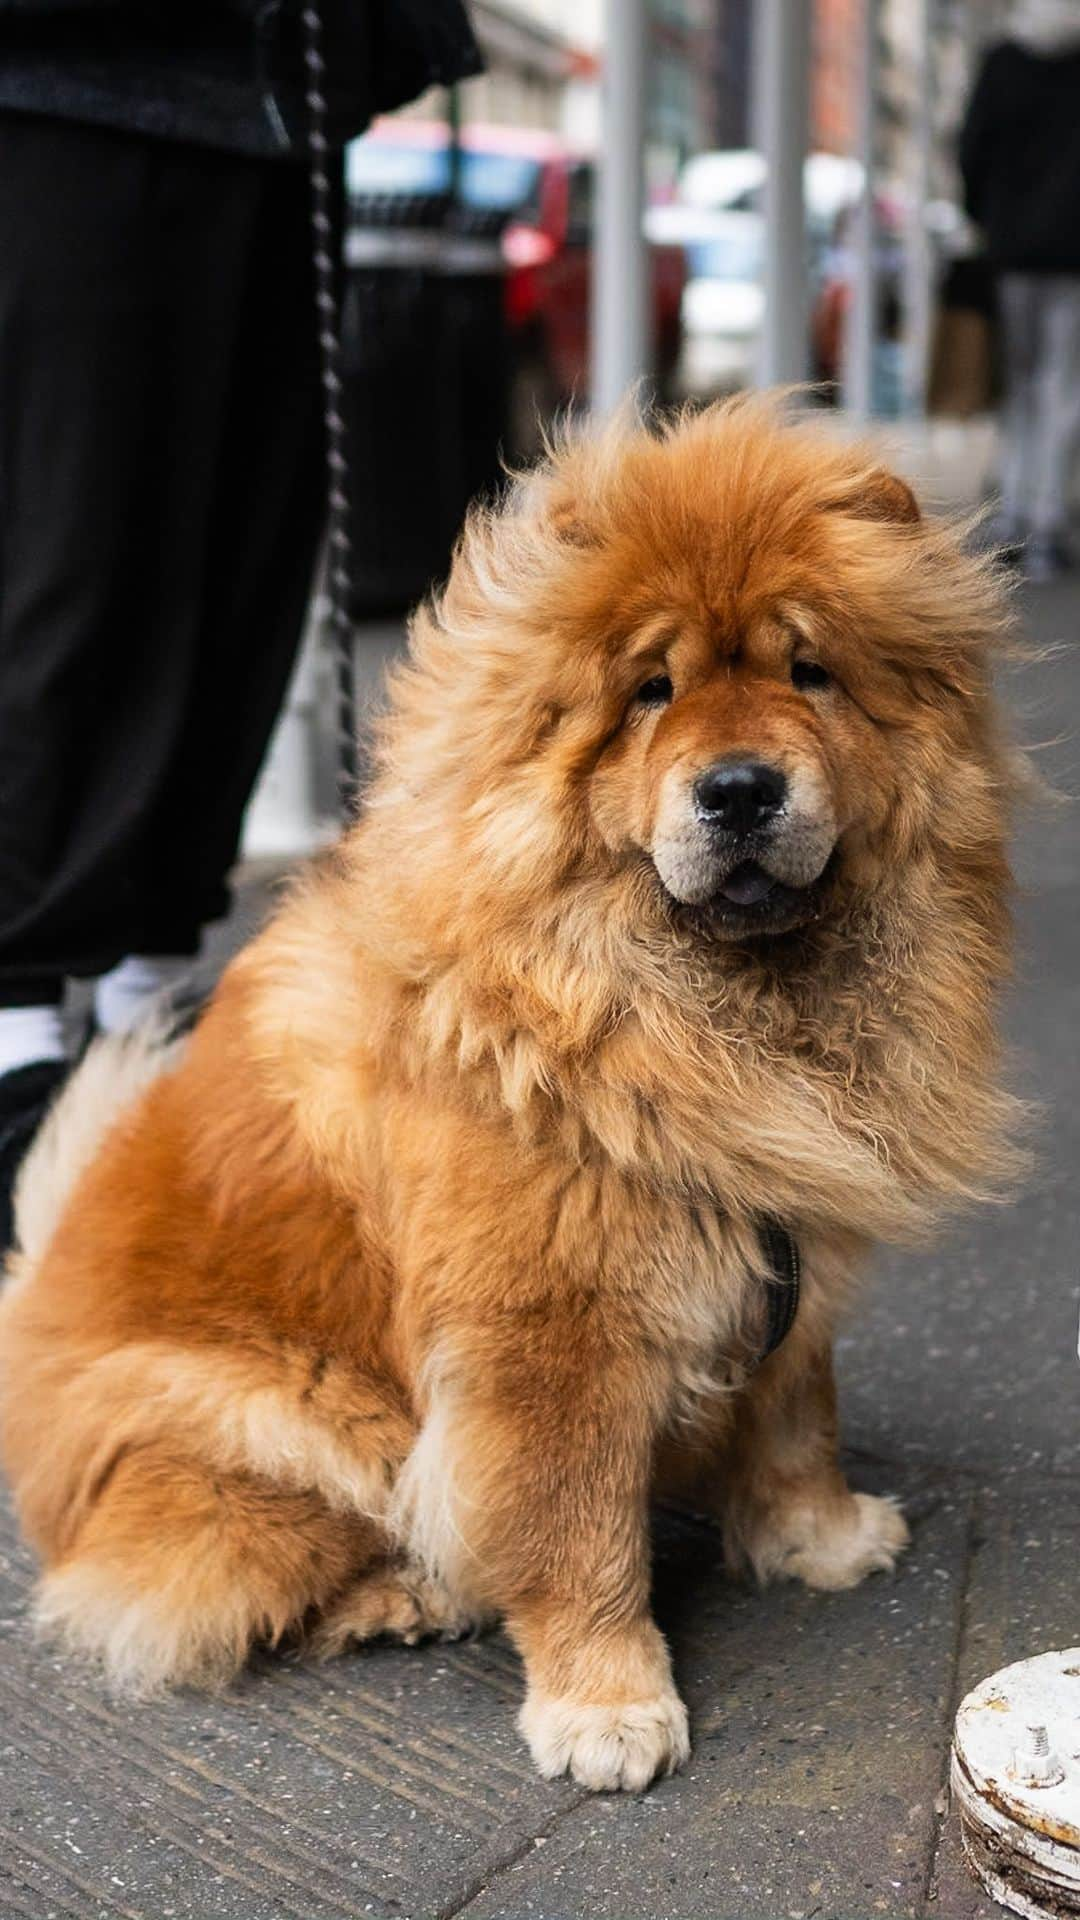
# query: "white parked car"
[717,219]
[723,306]
[733,180]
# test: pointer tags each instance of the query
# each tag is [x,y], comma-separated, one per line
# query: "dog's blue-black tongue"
[747,884]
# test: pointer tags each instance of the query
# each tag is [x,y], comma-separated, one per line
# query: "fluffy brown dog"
[678,902]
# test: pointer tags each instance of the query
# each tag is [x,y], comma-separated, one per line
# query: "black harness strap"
[782,1283]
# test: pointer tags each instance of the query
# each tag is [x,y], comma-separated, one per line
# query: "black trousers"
[161,499]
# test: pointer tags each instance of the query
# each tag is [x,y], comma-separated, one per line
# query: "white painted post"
[919,252]
[862,314]
[620,352]
[282,821]
[781,54]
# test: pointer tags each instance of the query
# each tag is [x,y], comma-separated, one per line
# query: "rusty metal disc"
[1016,1783]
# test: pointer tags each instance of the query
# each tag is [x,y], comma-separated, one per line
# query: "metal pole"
[453,145]
[919,257]
[781,53]
[620,263]
[862,317]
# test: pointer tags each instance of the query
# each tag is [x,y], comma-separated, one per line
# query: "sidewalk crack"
[498,1868]
[973,1534]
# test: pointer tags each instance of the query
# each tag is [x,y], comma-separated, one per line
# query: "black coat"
[225,73]
[1020,158]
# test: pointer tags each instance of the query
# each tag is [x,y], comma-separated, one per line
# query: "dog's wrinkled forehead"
[731,520]
[728,547]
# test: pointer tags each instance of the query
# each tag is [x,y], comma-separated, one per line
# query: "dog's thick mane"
[845,1074]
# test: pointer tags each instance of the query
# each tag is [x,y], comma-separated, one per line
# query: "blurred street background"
[781,201]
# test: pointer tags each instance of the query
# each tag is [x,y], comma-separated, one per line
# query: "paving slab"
[819,1728]
[394,1783]
[1023,1598]
[390,1783]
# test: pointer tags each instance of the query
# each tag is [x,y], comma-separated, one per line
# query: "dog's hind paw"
[607,1748]
[843,1548]
[393,1603]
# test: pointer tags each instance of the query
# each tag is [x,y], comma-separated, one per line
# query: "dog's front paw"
[607,1748]
[841,1550]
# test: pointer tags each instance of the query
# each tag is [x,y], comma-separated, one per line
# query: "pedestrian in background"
[161,466]
[1020,160]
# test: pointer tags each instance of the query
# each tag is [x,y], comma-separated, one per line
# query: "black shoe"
[26,1094]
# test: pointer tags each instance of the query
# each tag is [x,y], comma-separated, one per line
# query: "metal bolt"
[1034,1764]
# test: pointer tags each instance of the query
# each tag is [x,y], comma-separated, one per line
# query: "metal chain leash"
[326,267]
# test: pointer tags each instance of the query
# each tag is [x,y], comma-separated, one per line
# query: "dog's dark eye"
[806,674]
[656,692]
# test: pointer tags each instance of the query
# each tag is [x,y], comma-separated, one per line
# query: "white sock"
[28,1034]
[123,996]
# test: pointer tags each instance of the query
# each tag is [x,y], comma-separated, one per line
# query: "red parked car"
[544,193]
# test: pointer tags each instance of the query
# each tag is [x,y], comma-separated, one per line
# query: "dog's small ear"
[884,496]
[569,523]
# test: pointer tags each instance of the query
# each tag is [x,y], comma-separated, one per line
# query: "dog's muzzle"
[745,837]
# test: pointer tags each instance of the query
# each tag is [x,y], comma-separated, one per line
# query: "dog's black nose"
[739,795]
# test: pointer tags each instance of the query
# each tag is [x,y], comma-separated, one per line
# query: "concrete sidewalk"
[394,1783]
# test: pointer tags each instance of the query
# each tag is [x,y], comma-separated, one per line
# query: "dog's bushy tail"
[109,1079]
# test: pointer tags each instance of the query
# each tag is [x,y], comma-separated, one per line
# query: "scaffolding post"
[781,54]
[619,342]
[862,316]
[919,253]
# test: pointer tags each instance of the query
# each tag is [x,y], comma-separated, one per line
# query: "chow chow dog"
[671,925]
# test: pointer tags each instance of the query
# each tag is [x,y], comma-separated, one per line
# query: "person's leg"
[75,370]
[268,508]
[1019,310]
[76,366]
[122,264]
[1058,409]
[122,261]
